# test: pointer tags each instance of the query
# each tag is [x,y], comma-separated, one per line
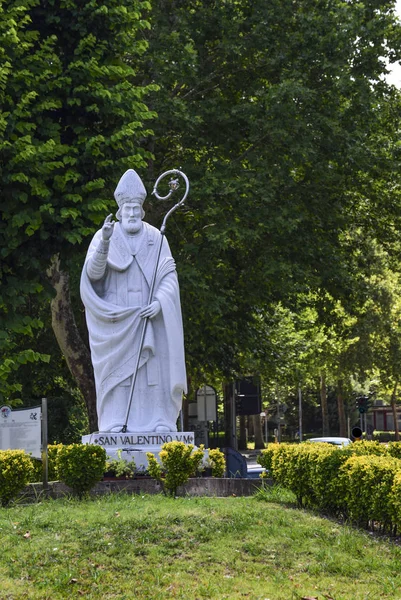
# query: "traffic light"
[248,397]
[362,404]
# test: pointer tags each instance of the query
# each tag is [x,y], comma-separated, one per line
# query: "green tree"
[72,119]
[279,114]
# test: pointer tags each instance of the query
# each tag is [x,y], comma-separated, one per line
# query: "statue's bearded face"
[131,217]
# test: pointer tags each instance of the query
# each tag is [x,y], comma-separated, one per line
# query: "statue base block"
[134,446]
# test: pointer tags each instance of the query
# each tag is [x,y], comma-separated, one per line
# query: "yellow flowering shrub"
[361,481]
[178,462]
[393,449]
[266,456]
[369,483]
[329,489]
[217,462]
[81,466]
[37,473]
[52,451]
[395,500]
[290,468]
[15,471]
[365,447]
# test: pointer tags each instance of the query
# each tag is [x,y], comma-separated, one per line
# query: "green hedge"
[37,472]
[178,462]
[361,481]
[369,482]
[15,471]
[80,466]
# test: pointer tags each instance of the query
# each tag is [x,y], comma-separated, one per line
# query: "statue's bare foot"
[162,428]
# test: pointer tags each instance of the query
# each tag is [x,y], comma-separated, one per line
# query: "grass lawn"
[148,548]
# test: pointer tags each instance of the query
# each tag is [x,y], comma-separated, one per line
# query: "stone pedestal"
[134,446]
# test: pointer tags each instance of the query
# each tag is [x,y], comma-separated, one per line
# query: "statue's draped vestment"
[113,304]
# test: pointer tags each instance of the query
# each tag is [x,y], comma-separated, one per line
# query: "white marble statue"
[115,291]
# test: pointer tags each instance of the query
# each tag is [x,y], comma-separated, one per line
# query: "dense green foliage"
[178,462]
[368,482]
[80,466]
[217,462]
[280,115]
[360,482]
[120,467]
[52,475]
[72,120]
[15,472]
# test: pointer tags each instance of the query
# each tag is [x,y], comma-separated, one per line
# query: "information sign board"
[21,429]
[206,399]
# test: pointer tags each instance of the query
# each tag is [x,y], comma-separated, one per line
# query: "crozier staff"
[116,279]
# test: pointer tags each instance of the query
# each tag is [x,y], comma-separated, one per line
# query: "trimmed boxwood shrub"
[369,482]
[15,471]
[395,501]
[217,462]
[365,447]
[37,473]
[178,462]
[289,466]
[361,481]
[394,449]
[266,456]
[80,466]
[329,493]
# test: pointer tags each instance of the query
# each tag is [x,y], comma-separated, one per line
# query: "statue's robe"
[112,305]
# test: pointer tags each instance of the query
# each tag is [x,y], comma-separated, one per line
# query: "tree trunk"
[242,441]
[324,405]
[68,337]
[341,410]
[394,408]
[257,428]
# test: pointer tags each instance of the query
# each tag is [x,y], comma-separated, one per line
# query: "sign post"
[45,468]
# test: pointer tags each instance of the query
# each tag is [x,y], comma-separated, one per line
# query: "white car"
[336,441]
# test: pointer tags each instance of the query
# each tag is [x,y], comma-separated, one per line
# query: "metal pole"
[45,468]
[266,428]
[216,432]
[278,417]
[234,419]
[300,412]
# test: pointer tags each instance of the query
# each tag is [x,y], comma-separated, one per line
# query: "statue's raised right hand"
[108,227]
